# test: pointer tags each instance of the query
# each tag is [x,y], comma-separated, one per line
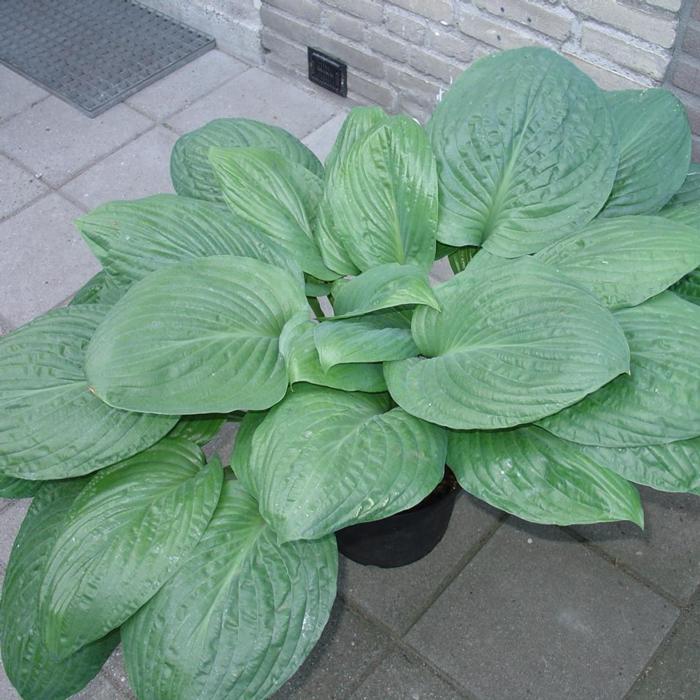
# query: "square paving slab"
[535,615]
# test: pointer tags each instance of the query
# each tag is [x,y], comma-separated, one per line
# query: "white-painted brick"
[371,10]
[373,91]
[304,9]
[437,10]
[420,89]
[438,67]
[409,28]
[346,26]
[619,48]
[494,33]
[645,24]
[385,44]
[607,78]
[455,46]
[553,21]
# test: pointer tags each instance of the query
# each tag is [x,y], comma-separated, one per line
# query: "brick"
[44,259]
[455,46]
[292,56]
[493,32]
[607,78]
[372,90]
[437,10]
[17,187]
[667,552]
[687,75]
[409,28]
[346,26]
[534,613]
[397,597]
[346,648]
[414,110]
[692,108]
[671,5]
[364,9]
[309,10]
[435,66]
[383,43]
[421,90]
[552,21]
[620,49]
[691,40]
[139,169]
[646,25]
[401,676]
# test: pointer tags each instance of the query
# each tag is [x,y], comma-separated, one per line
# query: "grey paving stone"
[44,259]
[10,520]
[538,615]
[5,327]
[55,141]
[17,187]
[399,677]
[7,691]
[256,94]
[441,271]
[667,552]
[17,93]
[187,84]
[114,669]
[222,444]
[397,597]
[339,660]
[674,672]
[322,139]
[139,169]
[99,689]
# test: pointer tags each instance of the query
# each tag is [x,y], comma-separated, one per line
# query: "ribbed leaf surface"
[51,425]
[123,538]
[240,456]
[380,201]
[238,618]
[672,467]
[197,337]
[655,150]
[689,191]
[304,365]
[191,171]
[324,459]
[382,287]
[134,238]
[660,401]
[11,487]
[526,152]
[376,337]
[276,195]
[626,260]
[513,343]
[532,474]
[198,429]
[26,661]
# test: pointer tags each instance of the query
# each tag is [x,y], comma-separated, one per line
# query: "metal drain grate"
[94,53]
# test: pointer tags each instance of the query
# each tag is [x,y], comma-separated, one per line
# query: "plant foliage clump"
[555,369]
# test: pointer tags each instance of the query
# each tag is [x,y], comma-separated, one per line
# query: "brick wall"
[402,54]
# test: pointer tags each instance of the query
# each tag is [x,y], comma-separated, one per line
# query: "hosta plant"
[557,367]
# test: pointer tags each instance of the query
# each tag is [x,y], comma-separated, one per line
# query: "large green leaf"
[532,474]
[304,365]
[382,287]
[359,122]
[240,455]
[238,618]
[99,289]
[626,260]
[689,191]
[134,238]
[197,337]
[659,402]
[689,287]
[513,343]
[11,487]
[124,536]
[672,467]
[199,429]
[459,258]
[191,171]
[34,672]
[655,150]
[51,425]
[380,201]
[526,152]
[276,195]
[376,337]
[324,459]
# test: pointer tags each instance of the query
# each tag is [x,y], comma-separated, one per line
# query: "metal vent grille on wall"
[94,53]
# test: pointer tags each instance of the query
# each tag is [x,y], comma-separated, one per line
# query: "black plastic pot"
[405,537]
